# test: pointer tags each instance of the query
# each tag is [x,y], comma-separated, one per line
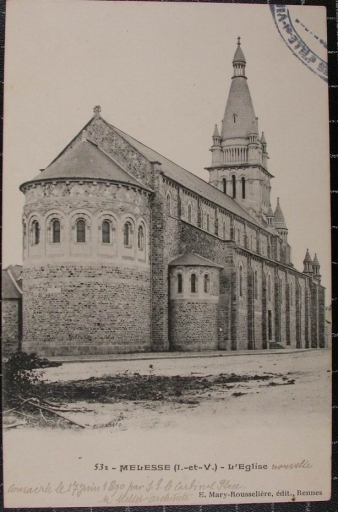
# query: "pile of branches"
[24,388]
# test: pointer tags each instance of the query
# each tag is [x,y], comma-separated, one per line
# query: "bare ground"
[186,393]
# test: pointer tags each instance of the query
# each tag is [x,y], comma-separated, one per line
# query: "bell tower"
[239,155]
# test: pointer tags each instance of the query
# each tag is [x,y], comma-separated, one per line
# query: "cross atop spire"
[239,59]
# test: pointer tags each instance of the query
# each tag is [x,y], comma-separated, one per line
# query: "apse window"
[36,233]
[127,235]
[56,232]
[106,232]
[81,231]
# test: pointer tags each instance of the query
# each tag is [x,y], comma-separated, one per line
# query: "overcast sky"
[161,72]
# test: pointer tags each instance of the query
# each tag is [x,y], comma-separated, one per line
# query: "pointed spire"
[279,217]
[308,269]
[216,132]
[239,55]
[239,113]
[270,212]
[263,141]
[307,258]
[315,260]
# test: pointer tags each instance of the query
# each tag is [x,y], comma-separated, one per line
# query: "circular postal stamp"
[307,46]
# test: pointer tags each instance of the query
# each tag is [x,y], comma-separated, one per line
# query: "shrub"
[22,375]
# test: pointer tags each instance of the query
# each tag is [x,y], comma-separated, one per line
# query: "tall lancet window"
[105,232]
[81,231]
[224,185]
[243,188]
[233,186]
[56,231]
[36,233]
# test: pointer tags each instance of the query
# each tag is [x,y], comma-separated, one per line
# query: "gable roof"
[86,160]
[193,259]
[187,179]
[173,171]
[10,288]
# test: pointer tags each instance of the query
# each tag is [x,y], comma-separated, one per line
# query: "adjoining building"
[11,309]
[125,251]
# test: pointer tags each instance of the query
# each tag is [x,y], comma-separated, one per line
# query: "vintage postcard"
[166,279]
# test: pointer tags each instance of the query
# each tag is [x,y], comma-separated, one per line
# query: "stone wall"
[193,325]
[86,309]
[11,325]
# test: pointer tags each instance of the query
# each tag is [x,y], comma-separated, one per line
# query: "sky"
[161,72]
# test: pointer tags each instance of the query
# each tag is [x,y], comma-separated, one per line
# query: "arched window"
[240,281]
[80,231]
[36,233]
[243,188]
[233,185]
[238,236]
[179,283]
[106,232]
[140,238]
[206,283]
[269,287]
[127,234]
[56,231]
[168,203]
[224,185]
[189,213]
[208,222]
[281,289]
[193,283]
[256,284]
[224,228]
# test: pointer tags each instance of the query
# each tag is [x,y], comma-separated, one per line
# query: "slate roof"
[8,288]
[86,160]
[192,259]
[188,180]
[239,104]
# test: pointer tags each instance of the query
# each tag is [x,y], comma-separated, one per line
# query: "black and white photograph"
[166,279]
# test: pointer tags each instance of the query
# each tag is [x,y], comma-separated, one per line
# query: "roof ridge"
[186,170]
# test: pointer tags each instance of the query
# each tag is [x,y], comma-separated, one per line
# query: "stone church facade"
[125,251]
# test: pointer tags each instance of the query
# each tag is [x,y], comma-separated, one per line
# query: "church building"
[126,251]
